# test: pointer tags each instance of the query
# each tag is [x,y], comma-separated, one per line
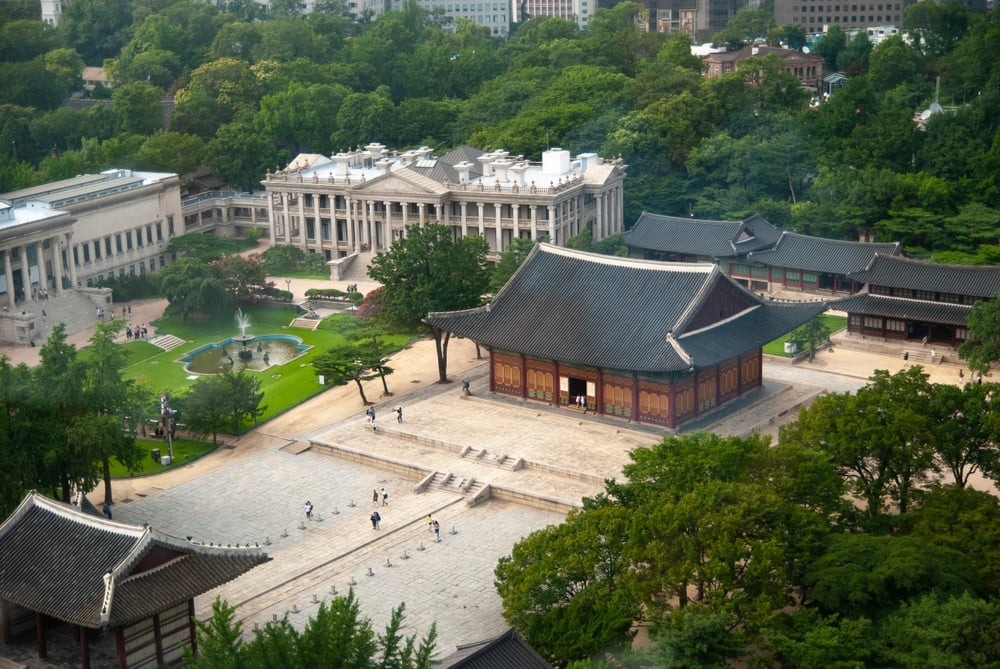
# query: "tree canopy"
[429,270]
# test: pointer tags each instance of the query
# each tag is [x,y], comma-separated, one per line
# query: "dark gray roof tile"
[54,559]
[621,313]
[895,272]
[693,236]
[815,254]
[904,309]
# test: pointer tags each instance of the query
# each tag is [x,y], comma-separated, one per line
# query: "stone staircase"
[167,342]
[70,307]
[501,460]
[917,353]
[467,486]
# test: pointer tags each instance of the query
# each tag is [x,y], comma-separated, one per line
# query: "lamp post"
[288,285]
[168,423]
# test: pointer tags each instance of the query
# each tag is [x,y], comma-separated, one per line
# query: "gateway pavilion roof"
[694,236]
[624,314]
[98,573]
[904,309]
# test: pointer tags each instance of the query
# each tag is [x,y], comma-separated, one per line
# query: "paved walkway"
[253,490]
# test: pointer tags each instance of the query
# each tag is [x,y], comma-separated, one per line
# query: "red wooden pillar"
[524,375]
[492,387]
[192,628]
[718,390]
[84,646]
[635,399]
[672,394]
[40,636]
[120,648]
[599,393]
[557,385]
[158,638]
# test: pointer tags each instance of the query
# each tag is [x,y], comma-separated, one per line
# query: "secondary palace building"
[651,341]
[353,204]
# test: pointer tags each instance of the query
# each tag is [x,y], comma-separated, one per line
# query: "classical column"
[10,278]
[352,239]
[406,215]
[422,210]
[302,221]
[517,225]
[552,223]
[25,273]
[56,247]
[444,216]
[599,224]
[498,211]
[372,223]
[465,218]
[69,259]
[534,222]
[482,222]
[387,225]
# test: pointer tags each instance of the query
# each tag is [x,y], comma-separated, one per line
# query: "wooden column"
[40,635]
[120,648]
[192,628]
[524,375]
[84,646]
[158,638]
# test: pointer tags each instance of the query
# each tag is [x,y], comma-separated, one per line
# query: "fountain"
[243,322]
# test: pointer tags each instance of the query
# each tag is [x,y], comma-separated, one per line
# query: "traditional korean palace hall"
[908,300]
[893,297]
[655,342]
[122,591]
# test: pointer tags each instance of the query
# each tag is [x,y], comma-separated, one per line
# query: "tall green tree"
[982,347]
[115,404]
[428,270]
[193,288]
[338,636]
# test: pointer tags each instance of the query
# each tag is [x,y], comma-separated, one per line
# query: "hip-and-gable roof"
[816,254]
[91,571]
[895,272]
[693,236]
[624,314]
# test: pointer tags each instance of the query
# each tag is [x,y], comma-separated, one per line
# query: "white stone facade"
[359,202]
[80,231]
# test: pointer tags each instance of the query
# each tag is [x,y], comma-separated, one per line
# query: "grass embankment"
[777,347]
[284,386]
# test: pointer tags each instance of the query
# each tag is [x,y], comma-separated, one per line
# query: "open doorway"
[577,389]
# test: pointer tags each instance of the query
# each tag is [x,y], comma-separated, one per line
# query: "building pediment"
[399,184]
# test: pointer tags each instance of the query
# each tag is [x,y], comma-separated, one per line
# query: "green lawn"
[185,450]
[284,386]
[777,347]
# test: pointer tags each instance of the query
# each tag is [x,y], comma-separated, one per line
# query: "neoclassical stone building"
[79,231]
[356,203]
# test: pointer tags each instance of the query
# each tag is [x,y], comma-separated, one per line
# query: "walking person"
[437,531]
[399,414]
[385,498]
[107,510]
[375,496]
[376,519]
[309,510]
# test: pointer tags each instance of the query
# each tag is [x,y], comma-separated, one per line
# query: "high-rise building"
[816,15]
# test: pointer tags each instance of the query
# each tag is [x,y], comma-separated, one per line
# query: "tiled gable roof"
[816,254]
[507,651]
[63,563]
[904,309]
[620,313]
[895,272]
[692,236]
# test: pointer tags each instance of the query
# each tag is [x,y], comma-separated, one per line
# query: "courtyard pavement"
[537,460]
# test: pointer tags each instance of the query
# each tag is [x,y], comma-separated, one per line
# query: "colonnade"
[46,249]
[373,223]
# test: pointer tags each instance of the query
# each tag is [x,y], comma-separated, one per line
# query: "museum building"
[353,204]
[654,342]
